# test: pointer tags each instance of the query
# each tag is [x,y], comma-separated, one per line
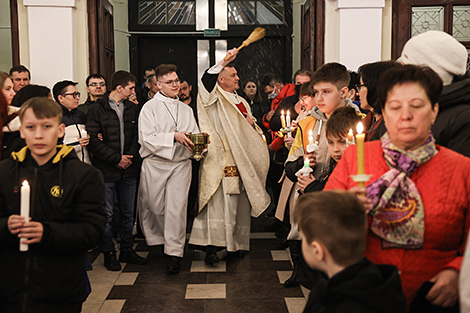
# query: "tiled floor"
[249,284]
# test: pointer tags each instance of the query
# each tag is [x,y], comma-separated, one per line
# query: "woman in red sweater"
[419,194]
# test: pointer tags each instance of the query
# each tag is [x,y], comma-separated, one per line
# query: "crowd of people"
[80,176]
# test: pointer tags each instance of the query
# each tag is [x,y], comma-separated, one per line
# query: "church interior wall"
[5,36]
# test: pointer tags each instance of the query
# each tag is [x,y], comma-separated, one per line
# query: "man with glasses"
[164,122]
[67,96]
[116,155]
[96,88]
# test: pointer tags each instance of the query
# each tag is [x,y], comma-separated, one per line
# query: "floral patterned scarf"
[398,213]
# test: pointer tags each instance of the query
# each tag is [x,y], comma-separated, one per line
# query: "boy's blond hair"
[335,218]
[334,73]
[42,107]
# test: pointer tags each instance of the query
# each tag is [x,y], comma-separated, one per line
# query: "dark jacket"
[106,153]
[85,107]
[52,271]
[319,184]
[360,288]
[452,126]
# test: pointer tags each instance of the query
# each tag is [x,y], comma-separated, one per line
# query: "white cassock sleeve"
[154,136]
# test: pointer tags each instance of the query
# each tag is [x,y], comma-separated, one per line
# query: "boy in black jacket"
[67,217]
[332,225]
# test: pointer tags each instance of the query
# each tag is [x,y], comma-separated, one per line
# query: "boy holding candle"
[67,217]
[337,248]
[330,88]
[337,127]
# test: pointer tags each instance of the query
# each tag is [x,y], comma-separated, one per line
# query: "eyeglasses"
[96,84]
[358,87]
[171,82]
[302,99]
[76,95]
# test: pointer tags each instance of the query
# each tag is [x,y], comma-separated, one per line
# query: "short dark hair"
[334,73]
[59,88]
[182,80]
[370,74]
[353,80]
[341,121]
[307,90]
[28,92]
[20,69]
[269,79]
[42,107]
[302,72]
[122,78]
[164,69]
[422,75]
[337,219]
[96,75]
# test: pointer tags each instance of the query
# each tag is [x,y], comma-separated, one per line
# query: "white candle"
[306,163]
[288,119]
[283,119]
[310,137]
[84,133]
[24,209]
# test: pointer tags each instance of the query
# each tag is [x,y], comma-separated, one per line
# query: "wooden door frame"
[15,38]
[401,19]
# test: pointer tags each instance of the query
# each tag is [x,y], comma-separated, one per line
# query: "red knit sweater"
[444,185]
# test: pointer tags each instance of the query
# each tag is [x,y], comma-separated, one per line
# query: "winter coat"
[360,288]
[452,126]
[102,119]
[68,198]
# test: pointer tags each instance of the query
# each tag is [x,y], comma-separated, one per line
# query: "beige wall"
[6,61]
[121,35]
[296,35]
[387,31]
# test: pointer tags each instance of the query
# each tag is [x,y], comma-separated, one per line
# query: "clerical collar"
[175,98]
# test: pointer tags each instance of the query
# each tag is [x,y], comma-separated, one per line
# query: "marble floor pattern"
[248,284]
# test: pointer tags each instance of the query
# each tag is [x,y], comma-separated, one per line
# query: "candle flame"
[350,132]
[288,113]
[360,128]
[282,112]
[25,183]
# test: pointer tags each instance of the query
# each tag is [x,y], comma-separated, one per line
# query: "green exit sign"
[211,32]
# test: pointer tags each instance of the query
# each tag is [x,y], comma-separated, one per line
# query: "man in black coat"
[116,154]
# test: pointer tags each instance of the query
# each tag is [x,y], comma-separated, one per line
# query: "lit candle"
[24,209]
[310,137]
[264,138]
[283,119]
[360,149]
[350,135]
[288,119]
[84,133]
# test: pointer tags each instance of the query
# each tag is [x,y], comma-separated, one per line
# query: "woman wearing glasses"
[367,90]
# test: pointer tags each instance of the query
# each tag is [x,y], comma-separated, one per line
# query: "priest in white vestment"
[233,173]
[166,168]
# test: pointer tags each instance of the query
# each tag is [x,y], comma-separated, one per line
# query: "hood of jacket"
[374,286]
[455,94]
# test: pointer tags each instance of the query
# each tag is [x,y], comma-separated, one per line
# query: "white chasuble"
[233,174]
